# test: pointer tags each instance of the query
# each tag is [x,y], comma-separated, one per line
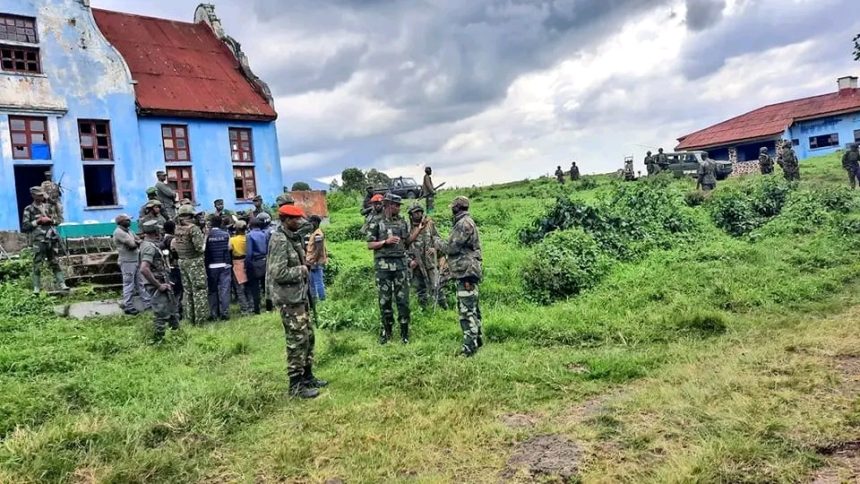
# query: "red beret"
[376,198]
[291,211]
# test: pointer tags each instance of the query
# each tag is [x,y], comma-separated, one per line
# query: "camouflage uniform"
[163,303]
[463,249]
[188,244]
[707,174]
[649,163]
[574,171]
[45,240]
[559,175]
[661,161]
[167,196]
[429,191]
[765,162]
[392,276]
[789,163]
[851,163]
[422,250]
[148,215]
[53,194]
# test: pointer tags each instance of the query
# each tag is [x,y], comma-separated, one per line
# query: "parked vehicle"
[404,187]
[686,163]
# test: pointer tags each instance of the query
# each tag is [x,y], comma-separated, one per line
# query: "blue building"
[105,99]
[815,125]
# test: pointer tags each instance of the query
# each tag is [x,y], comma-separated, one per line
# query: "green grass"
[715,359]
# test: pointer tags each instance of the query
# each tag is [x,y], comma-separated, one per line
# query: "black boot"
[404,333]
[386,334]
[311,381]
[300,390]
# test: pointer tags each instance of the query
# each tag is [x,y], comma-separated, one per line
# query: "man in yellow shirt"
[238,249]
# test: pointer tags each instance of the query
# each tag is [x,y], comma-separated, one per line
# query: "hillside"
[636,332]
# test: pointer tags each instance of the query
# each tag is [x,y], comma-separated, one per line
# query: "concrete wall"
[210,159]
[83,78]
[843,125]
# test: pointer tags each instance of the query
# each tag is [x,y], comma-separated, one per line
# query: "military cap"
[264,218]
[704,154]
[460,201]
[219,200]
[416,208]
[763,149]
[376,198]
[240,225]
[160,172]
[151,191]
[291,211]
[258,198]
[392,198]
[185,211]
[152,203]
[284,199]
[36,191]
[119,218]
[185,201]
[150,227]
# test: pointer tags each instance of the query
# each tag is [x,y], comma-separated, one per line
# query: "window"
[95,140]
[18,29]
[241,148]
[795,142]
[824,141]
[182,180]
[20,59]
[99,185]
[857,135]
[243,179]
[17,58]
[175,140]
[29,138]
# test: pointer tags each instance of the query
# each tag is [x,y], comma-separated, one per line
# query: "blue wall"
[843,125]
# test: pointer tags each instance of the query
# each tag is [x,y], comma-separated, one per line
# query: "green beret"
[150,227]
[151,191]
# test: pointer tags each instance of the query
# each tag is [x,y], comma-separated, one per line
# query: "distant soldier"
[465,263]
[649,163]
[851,163]
[151,194]
[788,161]
[188,244]
[40,219]
[661,160]
[765,162]
[175,273]
[288,275]
[258,206]
[223,214]
[53,193]
[423,240]
[127,246]
[166,195]
[706,174]
[559,175]
[305,227]
[428,190]
[155,269]
[574,171]
[152,211]
[387,238]
[365,205]
[373,212]
[628,173]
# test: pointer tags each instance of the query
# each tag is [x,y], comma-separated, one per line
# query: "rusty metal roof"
[772,120]
[182,69]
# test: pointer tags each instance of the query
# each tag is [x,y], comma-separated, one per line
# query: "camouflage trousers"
[470,317]
[428,287]
[853,176]
[299,333]
[791,173]
[393,288]
[431,203]
[45,253]
[163,310]
[195,300]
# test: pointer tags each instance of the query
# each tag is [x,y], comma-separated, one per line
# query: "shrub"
[564,264]
[340,200]
[346,231]
[15,269]
[734,212]
[694,198]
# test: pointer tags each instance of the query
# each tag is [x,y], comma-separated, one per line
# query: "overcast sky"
[494,90]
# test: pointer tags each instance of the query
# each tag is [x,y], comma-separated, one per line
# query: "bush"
[564,264]
[345,231]
[300,186]
[340,200]
[734,212]
[694,198]
[15,269]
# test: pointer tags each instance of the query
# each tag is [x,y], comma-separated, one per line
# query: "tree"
[333,186]
[377,178]
[353,180]
[301,186]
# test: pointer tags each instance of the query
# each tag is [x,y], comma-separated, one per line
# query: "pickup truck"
[402,186]
[686,163]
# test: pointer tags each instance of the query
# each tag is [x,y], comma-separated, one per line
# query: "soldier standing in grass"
[559,175]
[387,237]
[851,163]
[373,212]
[423,239]
[574,171]
[155,269]
[39,220]
[428,190]
[661,161]
[287,273]
[188,243]
[707,176]
[788,161]
[765,162]
[649,163]
[465,263]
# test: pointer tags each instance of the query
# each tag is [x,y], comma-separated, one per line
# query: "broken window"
[241,148]
[245,182]
[857,135]
[824,141]
[29,138]
[181,179]
[99,185]
[175,140]
[20,59]
[18,29]
[95,140]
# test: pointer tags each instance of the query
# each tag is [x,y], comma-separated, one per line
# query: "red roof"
[182,69]
[771,120]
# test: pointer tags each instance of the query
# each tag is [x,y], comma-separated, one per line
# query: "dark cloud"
[702,14]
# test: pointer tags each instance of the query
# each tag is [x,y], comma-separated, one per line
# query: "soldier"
[706,174]
[559,175]
[152,211]
[788,161]
[649,163]
[463,249]
[574,171]
[765,162]
[188,244]
[306,227]
[628,173]
[373,212]
[151,194]
[155,269]
[166,195]
[851,163]
[258,206]
[175,273]
[661,160]
[39,220]
[53,193]
[387,237]
[219,270]
[288,275]
[423,239]
[224,215]
[428,190]
[365,205]
[127,245]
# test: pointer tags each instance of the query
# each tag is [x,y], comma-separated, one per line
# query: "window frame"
[174,181]
[243,178]
[174,138]
[17,19]
[28,131]
[94,133]
[857,135]
[832,142]
[13,68]
[239,149]
[115,200]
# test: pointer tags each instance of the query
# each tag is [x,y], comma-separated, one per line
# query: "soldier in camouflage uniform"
[387,237]
[851,163]
[151,194]
[372,212]
[559,175]
[53,193]
[188,244]
[155,269]
[649,163]
[152,211]
[166,195]
[305,227]
[789,163]
[765,162]
[40,219]
[574,171]
[423,239]
[706,174]
[287,274]
[661,161]
[465,263]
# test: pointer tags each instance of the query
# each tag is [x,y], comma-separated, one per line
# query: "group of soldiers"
[40,220]
[573,173]
[785,158]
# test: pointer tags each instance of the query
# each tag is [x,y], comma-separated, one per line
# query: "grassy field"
[699,339]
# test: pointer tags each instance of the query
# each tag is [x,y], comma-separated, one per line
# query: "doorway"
[27,176]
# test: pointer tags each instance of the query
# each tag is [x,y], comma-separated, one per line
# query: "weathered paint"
[843,125]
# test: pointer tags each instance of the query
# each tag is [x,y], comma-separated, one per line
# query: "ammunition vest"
[184,245]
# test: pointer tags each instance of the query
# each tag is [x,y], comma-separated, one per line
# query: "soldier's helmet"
[392,198]
[185,211]
[461,202]
[152,203]
[648,153]
[416,208]
[150,227]
[151,191]
[37,191]
[660,150]
[705,154]
[264,219]
[763,149]
[284,199]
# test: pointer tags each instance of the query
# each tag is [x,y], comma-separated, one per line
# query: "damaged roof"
[183,69]
[772,120]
